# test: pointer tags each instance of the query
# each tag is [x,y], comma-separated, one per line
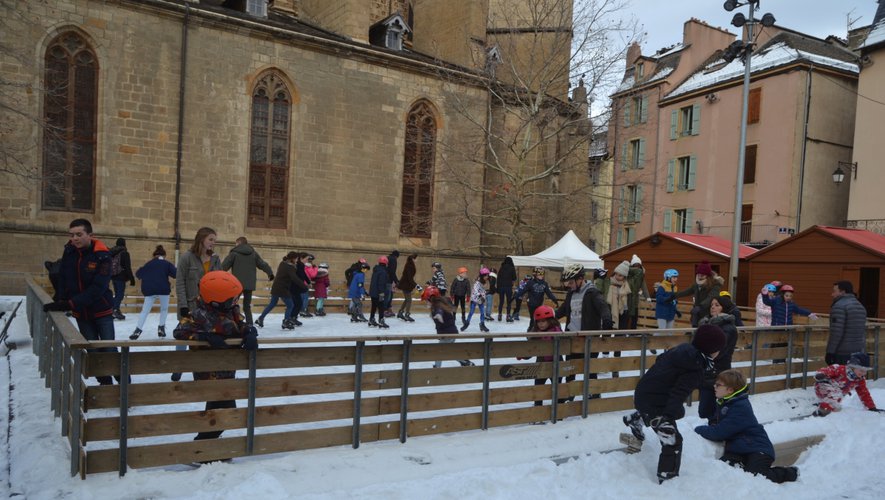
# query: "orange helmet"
[544,312]
[429,292]
[462,270]
[220,289]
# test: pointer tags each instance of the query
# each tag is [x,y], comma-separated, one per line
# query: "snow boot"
[482,327]
[634,422]
[515,317]
[135,334]
[372,321]
[465,325]
[161,331]
[259,322]
[382,323]
[118,315]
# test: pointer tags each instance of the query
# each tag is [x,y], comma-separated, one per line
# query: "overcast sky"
[662,20]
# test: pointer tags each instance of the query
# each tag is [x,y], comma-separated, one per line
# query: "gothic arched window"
[418,166]
[69,112]
[269,153]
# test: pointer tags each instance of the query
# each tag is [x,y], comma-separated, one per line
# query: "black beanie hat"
[121,242]
[709,339]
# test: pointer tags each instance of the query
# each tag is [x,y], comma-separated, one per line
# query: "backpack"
[117,264]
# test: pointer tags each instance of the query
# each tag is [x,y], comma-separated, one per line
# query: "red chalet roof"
[711,243]
[860,237]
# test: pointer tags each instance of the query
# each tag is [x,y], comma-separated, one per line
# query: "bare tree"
[531,138]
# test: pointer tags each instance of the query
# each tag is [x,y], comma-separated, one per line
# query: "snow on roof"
[663,73]
[668,51]
[777,54]
[626,84]
[876,36]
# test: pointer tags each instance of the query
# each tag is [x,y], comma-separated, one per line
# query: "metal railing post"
[642,354]
[54,379]
[753,362]
[789,360]
[76,410]
[555,381]
[805,354]
[358,392]
[876,354]
[124,407]
[486,381]
[404,392]
[585,391]
[250,412]
[65,390]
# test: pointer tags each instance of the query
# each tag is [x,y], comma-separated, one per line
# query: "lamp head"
[738,20]
[768,20]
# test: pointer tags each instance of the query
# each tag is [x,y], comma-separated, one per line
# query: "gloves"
[215,340]
[648,299]
[419,288]
[58,305]
[184,312]
[270,277]
[830,358]
[250,339]
[678,314]
[812,317]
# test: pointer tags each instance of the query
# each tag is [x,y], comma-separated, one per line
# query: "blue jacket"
[357,288]
[665,301]
[536,290]
[735,423]
[378,285]
[154,276]
[782,311]
[83,280]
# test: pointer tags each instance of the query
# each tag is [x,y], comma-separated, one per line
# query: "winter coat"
[378,285]
[439,280]
[664,387]
[726,323]
[839,375]
[479,292]
[636,279]
[595,312]
[665,301]
[460,287]
[321,285]
[206,321]
[125,273]
[444,320]
[506,275]
[84,276]
[848,320]
[493,283]
[242,262]
[736,312]
[735,423]
[351,271]
[782,311]
[357,289]
[536,289]
[391,267]
[763,312]
[703,295]
[188,275]
[284,278]
[154,276]
[407,280]
[310,271]
[301,284]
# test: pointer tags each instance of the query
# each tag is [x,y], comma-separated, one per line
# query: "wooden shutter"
[696,119]
[674,124]
[689,220]
[754,106]
[621,205]
[671,176]
[628,101]
[643,116]
[641,161]
[625,155]
[692,171]
[750,164]
[668,220]
[637,203]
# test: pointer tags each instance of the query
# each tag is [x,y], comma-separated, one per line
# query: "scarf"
[617,299]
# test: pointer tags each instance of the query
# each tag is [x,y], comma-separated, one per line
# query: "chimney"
[634,51]
[290,7]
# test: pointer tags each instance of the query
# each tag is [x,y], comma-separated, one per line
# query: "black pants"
[504,294]
[298,304]
[760,463]
[215,405]
[461,300]
[247,305]
[706,402]
[670,459]
[378,306]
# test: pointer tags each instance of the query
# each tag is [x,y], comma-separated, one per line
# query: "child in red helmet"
[215,318]
[545,321]
[833,382]
[442,311]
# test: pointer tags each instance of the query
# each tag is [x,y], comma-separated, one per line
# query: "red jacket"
[839,375]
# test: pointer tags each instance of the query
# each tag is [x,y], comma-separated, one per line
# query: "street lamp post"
[743,49]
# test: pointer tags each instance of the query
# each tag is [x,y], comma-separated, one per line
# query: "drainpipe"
[654,186]
[182,79]
[804,146]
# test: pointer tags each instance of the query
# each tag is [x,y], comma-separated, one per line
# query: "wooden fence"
[298,393]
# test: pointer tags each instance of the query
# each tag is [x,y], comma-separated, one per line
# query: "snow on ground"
[507,463]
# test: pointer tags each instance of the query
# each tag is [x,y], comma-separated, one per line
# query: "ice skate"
[135,334]
[372,321]
[465,325]
[161,331]
[634,422]
[483,328]
[382,323]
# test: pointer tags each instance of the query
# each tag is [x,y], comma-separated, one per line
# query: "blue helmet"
[771,288]
[671,273]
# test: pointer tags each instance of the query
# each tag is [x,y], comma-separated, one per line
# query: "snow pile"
[512,463]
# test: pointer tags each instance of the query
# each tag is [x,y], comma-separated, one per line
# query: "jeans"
[149,304]
[99,329]
[665,324]
[119,292]
[305,301]
[274,300]
[482,312]
[490,304]
[388,299]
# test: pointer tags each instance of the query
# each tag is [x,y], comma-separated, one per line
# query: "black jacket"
[391,267]
[506,274]
[595,312]
[378,285]
[83,280]
[125,273]
[664,387]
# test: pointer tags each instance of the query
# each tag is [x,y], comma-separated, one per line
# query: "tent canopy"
[568,250]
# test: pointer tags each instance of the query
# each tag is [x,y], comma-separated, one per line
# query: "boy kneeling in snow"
[835,381]
[746,442]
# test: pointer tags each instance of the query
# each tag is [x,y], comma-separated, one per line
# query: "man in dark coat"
[392,282]
[378,292]
[661,391]
[848,321]
[505,281]
[85,273]
[242,261]
[120,274]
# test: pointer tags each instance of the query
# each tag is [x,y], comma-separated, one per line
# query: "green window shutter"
[627,102]
[621,207]
[637,212]
[689,220]
[668,220]
[625,155]
[692,171]
[641,161]
[696,119]
[631,235]
[671,173]
[674,123]
[618,244]
[643,116]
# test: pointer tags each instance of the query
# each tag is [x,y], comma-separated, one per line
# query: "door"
[868,291]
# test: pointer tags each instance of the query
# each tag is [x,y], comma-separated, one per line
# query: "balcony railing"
[872,225]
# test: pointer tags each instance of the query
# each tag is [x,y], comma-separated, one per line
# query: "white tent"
[568,250]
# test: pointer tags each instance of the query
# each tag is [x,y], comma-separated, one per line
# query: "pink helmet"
[484,271]
[382,260]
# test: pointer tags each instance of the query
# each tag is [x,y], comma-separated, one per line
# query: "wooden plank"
[788,453]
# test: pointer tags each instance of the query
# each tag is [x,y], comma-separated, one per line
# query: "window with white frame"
[257,7]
